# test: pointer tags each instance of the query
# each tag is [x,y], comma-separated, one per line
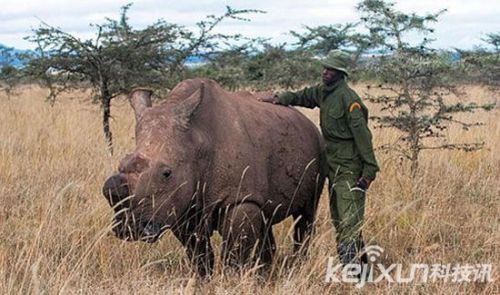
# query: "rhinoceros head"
[158,182]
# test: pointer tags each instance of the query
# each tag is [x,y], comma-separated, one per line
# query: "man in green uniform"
[351,161]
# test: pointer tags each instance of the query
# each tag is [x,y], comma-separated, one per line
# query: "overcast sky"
[462,26]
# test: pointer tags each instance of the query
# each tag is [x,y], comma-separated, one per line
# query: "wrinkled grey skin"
[207,160]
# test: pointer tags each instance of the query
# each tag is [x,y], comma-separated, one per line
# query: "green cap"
[338,60]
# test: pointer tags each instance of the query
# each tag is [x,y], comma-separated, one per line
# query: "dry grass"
[54,223]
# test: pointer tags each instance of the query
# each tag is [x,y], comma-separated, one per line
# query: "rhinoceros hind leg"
[242,233]
[304,227]
[304,221]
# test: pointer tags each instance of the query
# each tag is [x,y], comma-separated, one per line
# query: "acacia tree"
[228,66]
[260,65]
[120,58]
[275,66]
[40,69]
[416,81]
[321,40]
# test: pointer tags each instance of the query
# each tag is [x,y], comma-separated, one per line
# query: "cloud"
[463,25]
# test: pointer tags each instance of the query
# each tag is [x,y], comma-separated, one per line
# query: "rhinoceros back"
[267,154]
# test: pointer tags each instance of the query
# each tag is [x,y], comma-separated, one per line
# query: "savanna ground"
[54,222]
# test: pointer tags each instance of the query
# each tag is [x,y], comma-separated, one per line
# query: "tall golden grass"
[54,222]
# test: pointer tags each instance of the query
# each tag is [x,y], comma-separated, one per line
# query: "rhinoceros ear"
[186,109]
[140,100]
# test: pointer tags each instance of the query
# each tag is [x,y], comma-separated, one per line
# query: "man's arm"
[308,97]
[363,140]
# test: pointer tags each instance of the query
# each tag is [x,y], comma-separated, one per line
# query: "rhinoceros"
[207,159]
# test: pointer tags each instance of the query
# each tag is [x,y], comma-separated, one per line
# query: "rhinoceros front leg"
[199,250]
[242,233]
[268,249]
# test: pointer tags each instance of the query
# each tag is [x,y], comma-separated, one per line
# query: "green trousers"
[347,206]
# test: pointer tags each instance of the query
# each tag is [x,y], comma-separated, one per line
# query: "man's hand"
[267,97]
[363,183]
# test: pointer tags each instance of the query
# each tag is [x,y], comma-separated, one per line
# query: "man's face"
[330,75]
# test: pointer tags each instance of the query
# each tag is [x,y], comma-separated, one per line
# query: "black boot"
[353,253]
[361,249]
[348,253]
[363,258]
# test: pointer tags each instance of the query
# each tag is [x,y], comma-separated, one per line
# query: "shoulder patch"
[354,106]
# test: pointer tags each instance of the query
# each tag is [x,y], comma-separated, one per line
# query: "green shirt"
[343,120]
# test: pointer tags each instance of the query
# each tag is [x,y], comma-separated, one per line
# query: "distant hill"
[9,56]
[14,61]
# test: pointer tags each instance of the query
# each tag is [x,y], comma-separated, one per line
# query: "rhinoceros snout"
[115,189]
[151,232]
[127,225]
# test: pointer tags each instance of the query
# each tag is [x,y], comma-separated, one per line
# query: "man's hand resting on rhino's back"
[267,96]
